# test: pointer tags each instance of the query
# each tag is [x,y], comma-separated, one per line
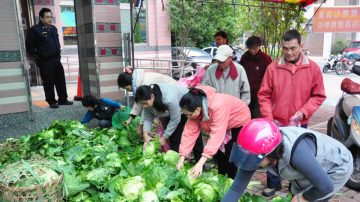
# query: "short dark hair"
[292,34]
[89,101]
[193,99]
[253,41]
[43,11]
[124,79]
[144,93]
[221,33]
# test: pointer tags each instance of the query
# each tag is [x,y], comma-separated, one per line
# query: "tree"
[195,22]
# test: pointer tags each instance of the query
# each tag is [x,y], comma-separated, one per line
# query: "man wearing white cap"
[227,76]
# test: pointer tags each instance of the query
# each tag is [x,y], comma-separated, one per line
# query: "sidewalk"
[318,122]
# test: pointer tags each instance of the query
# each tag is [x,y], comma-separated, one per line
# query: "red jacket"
[255,67]
[288,88]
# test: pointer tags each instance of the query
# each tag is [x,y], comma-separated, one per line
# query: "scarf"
[232,72]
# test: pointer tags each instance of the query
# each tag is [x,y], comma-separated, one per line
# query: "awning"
[303,3]
[69,31]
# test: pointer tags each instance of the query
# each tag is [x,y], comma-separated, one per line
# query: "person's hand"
[298,116]
[128,121]
[122,107]
[162,140]
[196,170]
[180,163]
[139,130]
[298,198]
[147,138]
[277,123]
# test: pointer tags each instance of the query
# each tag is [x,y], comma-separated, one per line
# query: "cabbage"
[149,196]
[151,148]
[131,187]
[205,192]
[171,157]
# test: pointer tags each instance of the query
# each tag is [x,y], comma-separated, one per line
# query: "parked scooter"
[347,130]
[347,62]
[331,63]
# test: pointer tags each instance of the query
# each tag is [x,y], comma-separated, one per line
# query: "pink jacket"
[224,113]
[288,88]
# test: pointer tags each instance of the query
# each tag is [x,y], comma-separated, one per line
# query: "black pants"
[255,108]
[222,159]
[52,74]
[175,138]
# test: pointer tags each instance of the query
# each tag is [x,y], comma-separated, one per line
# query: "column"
[100,49]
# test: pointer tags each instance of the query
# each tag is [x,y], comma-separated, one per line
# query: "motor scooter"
[345,126]
[331,63]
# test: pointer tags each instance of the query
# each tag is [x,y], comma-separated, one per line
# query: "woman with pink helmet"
[316,165]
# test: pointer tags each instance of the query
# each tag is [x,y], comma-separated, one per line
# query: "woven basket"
[49,191]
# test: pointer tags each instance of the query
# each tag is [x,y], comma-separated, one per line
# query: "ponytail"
[144,92]
[193,99]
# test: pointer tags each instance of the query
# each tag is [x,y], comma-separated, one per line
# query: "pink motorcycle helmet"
[257,139]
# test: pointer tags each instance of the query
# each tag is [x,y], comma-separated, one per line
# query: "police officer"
[43,43]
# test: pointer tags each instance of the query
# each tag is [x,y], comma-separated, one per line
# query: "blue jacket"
[92,114]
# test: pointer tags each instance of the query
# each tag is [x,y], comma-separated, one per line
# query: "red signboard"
[337,19]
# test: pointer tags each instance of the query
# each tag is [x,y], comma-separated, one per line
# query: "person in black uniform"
[43,43]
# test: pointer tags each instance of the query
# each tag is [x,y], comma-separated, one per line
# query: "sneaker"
[54,105]
[67,102]
[268,192]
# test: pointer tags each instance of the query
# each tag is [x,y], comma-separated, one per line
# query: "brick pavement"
[318,122]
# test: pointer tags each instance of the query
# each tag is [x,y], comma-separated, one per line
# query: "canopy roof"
[299,2]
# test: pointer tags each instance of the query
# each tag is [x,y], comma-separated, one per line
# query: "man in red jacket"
[291,91]
[255,63]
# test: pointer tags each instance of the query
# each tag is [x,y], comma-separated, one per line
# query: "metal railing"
[71,72]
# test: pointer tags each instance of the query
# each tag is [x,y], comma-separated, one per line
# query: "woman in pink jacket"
[221,116]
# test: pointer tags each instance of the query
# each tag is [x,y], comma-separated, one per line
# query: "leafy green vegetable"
[205,192]
[171,157]
[149,196]
[131,187]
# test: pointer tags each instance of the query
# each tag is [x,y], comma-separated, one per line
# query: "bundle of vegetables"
[33,180]
[111,165]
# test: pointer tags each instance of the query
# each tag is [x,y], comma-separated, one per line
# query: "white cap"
[223,52]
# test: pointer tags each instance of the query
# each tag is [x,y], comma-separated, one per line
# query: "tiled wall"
[100,46]
[13,96]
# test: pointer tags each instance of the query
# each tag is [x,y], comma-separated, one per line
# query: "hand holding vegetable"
[139,130]
[162,140]
[147,138]
[180,163]
[129,121]
[198,168]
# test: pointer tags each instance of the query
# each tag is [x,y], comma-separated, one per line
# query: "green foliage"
[98,166]
[338,47]
[195,24]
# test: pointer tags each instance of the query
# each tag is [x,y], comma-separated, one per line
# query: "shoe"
[268,192]
[54,105]
[67,102]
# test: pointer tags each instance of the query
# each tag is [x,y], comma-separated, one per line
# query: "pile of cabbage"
[111,165]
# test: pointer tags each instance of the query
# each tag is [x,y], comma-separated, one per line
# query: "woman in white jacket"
[131,80]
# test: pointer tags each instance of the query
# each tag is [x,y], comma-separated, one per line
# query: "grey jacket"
[171,95]
[239,87]
[140,77]
[333,157]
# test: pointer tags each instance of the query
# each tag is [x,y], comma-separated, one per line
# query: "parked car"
[194,56]
[353,47]
[238,52]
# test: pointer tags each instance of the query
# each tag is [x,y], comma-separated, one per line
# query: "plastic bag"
[195,79]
